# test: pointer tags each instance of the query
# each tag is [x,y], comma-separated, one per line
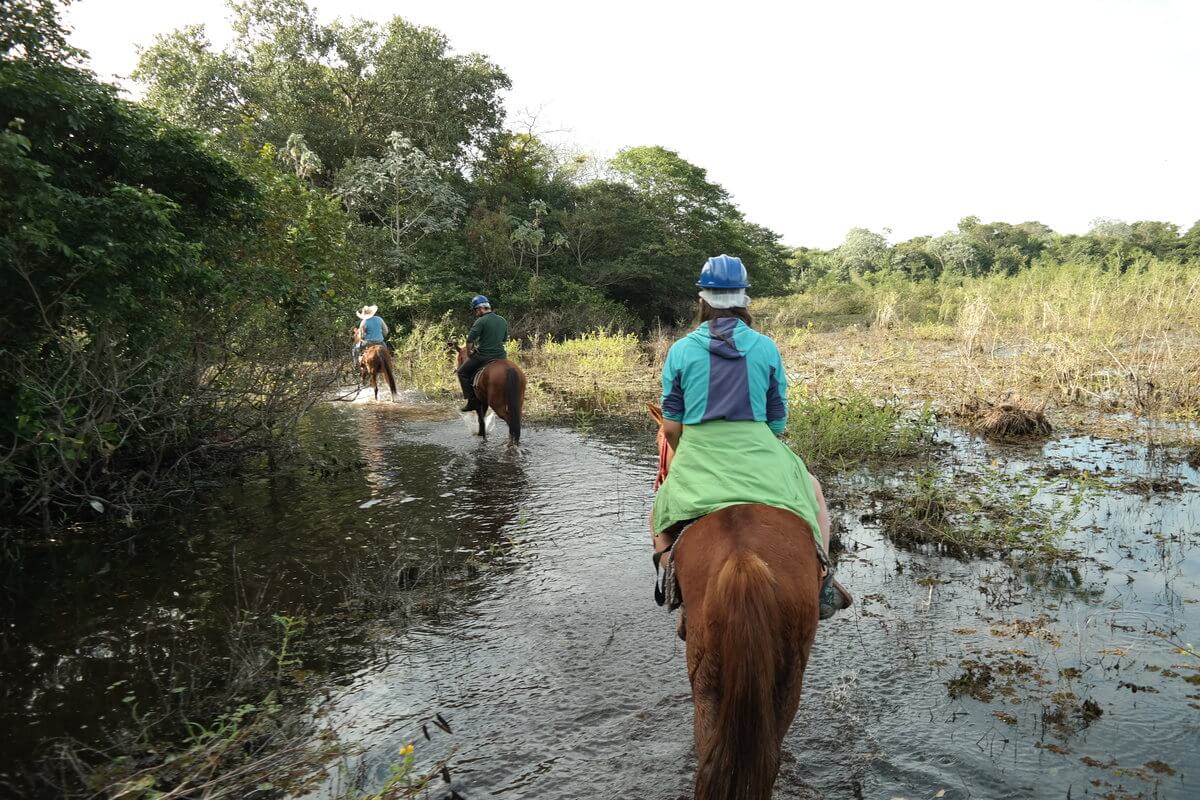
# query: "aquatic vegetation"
[1072,335]
[403,780]
[993,512]
[833,432]
[422,360]
[266,743]
[1008,420]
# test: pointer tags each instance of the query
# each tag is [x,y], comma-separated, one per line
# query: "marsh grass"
[834,432]
[1076,338]
[601,370]
[992,512]
[421,357]
[1067,338]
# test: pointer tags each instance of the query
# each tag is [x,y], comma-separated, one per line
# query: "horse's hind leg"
[481,412]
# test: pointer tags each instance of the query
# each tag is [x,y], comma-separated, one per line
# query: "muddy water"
[510,592]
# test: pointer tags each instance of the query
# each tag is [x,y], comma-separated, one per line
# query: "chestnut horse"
[499,386]
[749,577]
[373,360]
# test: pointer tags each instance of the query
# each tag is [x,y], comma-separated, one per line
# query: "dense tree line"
[444,201]
[996,248]
[179,274]
[161,303]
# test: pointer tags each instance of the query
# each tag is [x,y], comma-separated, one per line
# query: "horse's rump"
[749,576]
[499,385]
[376,359]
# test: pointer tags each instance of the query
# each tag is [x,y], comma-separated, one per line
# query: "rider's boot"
[833,596]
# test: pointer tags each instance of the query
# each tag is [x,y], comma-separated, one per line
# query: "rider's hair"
[708,314]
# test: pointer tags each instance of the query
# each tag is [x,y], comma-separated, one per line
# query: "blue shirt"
[735,375]
[372,328]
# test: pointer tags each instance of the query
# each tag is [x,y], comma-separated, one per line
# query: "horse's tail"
[512,399]
[386,357]
[741,758]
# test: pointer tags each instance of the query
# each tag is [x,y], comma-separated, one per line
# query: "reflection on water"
[559,675]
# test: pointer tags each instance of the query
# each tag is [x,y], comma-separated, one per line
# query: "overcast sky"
[822,116]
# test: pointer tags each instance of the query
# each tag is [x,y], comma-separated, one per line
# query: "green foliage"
[978,249]
[290,628]
[345,86]
[153,294]
[30,30]
[834,432]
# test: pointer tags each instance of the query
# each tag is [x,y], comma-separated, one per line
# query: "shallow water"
[548,658]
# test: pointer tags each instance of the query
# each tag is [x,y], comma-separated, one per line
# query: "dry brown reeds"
[1010,419]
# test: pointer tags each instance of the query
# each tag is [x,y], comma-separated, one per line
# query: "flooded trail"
[510,591]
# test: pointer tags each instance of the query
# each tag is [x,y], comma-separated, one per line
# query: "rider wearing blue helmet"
[724,402]
[485,343]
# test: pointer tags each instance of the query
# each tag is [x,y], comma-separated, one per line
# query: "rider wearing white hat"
[373,329]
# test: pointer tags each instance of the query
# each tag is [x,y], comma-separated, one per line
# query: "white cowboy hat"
[366,312]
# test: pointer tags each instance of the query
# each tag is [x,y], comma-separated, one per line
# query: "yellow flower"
[406,750]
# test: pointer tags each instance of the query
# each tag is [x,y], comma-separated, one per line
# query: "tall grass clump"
[600,369]
[833,432]
[826,305]
[423,361]
[1080,299]
[1115,340]
[1059,334]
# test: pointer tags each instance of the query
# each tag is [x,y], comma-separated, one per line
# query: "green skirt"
[721,464]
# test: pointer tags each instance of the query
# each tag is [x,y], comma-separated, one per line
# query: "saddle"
[479,371]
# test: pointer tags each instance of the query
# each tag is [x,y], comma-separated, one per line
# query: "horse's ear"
[655,412]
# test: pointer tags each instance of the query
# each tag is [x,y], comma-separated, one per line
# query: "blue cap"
[479,300]
[723,272]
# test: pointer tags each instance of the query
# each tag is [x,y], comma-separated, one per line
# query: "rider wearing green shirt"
[485,343]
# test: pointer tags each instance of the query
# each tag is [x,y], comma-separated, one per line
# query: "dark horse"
[749,577]
[372,360]
[500,386]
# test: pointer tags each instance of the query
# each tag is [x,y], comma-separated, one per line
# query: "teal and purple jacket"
[735,375]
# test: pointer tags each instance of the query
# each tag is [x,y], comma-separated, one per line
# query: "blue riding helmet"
[479,300]
[723,272]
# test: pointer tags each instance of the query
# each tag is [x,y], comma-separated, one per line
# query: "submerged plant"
[992,511]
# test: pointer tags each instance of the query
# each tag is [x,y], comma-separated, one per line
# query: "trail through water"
[544,652]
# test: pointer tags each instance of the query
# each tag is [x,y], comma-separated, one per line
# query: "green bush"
[833,432]
[159,303]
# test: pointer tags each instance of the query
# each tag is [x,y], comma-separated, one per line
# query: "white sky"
[822,116]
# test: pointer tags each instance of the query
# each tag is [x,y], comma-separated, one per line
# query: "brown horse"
[501,387]
[373,360]
[749,578]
